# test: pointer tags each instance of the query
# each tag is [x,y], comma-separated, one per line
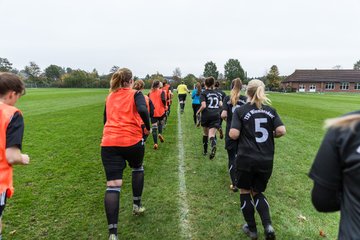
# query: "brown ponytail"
[120,78]
[235,91]
[256,90]
[139,85]
[198,87]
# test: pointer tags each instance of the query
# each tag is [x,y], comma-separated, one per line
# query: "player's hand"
[25,159]
[146,132]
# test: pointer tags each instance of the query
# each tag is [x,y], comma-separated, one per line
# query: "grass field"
[60,194]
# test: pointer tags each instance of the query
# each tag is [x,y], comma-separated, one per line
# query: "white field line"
[183,205]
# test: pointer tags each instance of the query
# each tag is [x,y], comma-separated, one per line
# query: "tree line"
[66,77]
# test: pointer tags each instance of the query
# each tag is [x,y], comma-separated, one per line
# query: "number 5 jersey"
[256,126]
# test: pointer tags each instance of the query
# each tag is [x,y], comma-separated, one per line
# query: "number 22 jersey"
[256,126]
[212,99]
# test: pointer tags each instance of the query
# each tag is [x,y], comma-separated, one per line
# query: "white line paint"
[183,205]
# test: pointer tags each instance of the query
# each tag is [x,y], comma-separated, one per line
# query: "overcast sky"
[159,35]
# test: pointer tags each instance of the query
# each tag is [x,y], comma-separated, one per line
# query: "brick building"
[323,81]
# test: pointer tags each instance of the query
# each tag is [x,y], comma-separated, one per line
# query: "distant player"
[211,104]
[255,125]
[158,98]
[336,173]
[195,95]
[182,90]
[11,135]
[168,94]
[222,95]
[139,85]
[122,141]
[231,103]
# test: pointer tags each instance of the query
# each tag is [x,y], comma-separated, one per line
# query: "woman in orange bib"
[158,98]
[11,134]
[122,141]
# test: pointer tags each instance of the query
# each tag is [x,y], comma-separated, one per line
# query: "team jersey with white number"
[212,99]
[256,126]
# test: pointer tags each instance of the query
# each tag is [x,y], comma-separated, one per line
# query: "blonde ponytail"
[256,90]
[235,91]
[344,122]
[120,78]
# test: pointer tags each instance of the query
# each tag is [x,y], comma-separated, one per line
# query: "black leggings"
[195,109]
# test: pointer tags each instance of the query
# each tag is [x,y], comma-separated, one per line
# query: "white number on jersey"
[214,102]
[263,131]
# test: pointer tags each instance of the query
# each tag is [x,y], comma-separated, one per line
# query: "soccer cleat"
[138,210]
[221,133]
[204,153]
[213,151]
[156,146]
[269,233]
[161,138]
[113,237]
[250,234]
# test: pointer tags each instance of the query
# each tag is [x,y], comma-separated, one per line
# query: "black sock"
[247,208]
[160,127]
[112,203]
[137,184]
[213,141]
[154,133]
[262,207]
[205,143]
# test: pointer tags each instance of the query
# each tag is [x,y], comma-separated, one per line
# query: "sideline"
[183,205]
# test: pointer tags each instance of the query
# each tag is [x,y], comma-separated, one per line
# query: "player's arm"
[234,132]
[14,156]
[202,107]
[14,136]
[280,131]
[142,109]
[224,114]
[163,98]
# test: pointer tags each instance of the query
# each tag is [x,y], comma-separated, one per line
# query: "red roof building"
[323,81]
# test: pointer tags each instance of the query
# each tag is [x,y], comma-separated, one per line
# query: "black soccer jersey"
[221,93]
[212,99]
[15,131]
[256,126]
[229,108]
[337,167]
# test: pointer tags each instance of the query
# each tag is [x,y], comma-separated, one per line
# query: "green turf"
[60,194]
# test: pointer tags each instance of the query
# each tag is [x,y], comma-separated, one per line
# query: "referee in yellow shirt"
[182,90]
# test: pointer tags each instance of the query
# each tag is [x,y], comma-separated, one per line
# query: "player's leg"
[2,207]
[155,132]
[114,164]
[135,157]
[246,203]
[261,203]
[205,139]
[231,167]
[160,128]
[212,138]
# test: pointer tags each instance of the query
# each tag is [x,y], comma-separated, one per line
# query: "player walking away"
[210,110]
[122,141]
[166,88]
[139,85]
[196,103]
[232,102]
[255,125]
[11,135]
[182,91]
[336,173]
[158,98]
[222,95]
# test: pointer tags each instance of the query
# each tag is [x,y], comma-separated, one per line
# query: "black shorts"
[157,119]
[255,179]
[114,159]
[182,97]
[2,202]
[210,121]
